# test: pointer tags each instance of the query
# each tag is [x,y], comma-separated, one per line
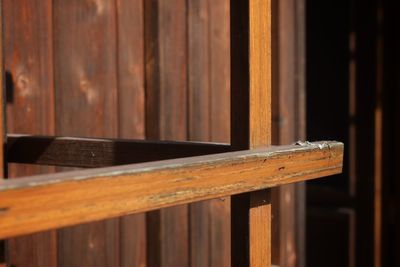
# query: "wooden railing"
[39,203]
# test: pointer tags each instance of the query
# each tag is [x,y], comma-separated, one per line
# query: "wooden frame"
[84,196]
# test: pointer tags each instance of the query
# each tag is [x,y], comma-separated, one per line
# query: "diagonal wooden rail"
[39,203]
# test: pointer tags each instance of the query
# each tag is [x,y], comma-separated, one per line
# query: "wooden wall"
[131,69]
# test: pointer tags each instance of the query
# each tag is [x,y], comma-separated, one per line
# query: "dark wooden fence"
[145,69]
[129,69]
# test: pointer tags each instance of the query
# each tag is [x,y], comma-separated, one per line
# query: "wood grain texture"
[220,231]
[198,118]
[260,228]
[166,114]
[131,114]
[260,68]
[103,193]
[29,64]
[97,152]
[208,77]
[260,129]
[86,96]
[251,123]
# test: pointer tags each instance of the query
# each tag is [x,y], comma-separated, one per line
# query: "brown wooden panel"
[96,152]
[86,105]
[220,232]
[108,192]
[131,114]
[29,60]
[208,59]
[199,114]
[166,117]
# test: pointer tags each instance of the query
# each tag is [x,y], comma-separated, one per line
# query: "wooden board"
[198,117]
[220,232]
[131,114]
[166,114]
[29,64]
[108,192]
[208,77]
[86,97]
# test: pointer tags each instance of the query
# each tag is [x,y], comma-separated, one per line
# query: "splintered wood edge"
[39,203]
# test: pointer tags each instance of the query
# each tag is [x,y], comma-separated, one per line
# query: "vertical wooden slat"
[86,97]
[130,56]
[251,124]
[166,117]
[208,76]
[209,95]
[199,114]
[152,113]
[220,238]
[29,61]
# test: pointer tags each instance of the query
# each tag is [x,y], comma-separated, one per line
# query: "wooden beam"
[251,124]
[94,153]
[45,202]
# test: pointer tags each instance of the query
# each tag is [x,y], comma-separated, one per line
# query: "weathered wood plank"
[198,118]
[103,193]
[152,89]
[86,96]
[251,124]
[96,152]
[29,63]
[131,114]
[220,243]
[166,117]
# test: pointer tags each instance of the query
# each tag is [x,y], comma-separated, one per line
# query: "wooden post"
[251,124]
